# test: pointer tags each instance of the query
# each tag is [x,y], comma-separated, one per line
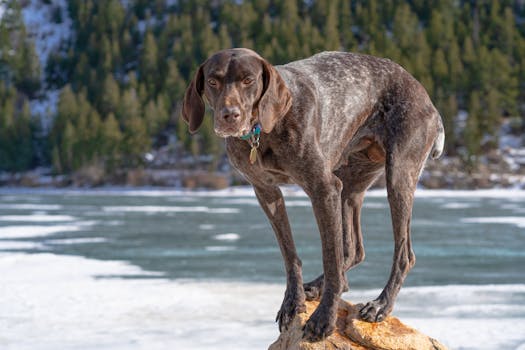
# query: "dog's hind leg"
[357,177]
[410,141]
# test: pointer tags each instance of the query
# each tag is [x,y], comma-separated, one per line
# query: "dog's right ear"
[193,105]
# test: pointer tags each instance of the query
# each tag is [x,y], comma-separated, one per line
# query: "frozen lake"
[110,269]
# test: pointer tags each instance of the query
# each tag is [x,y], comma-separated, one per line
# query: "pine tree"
[94,135]
[209,42]
[16,137]
[56,161]
[110,99]
[331,31]
[149,64]
[502,77]
[345,26]
[66,148]
[492,116]
[439,67]
[225,41]
[111,138]
[104,60]
[27,76]
[155,115]
[23,153]
[182,133]
[211,144]
[473,133]
[135,142]
[129,107]
[404,28]
[449,110]
[455,67]
[508,32]
[175,84]
[286,28]
[67,110]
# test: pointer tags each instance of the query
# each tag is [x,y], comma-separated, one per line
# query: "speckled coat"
[331,123]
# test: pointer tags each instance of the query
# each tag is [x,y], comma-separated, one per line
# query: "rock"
[354,334]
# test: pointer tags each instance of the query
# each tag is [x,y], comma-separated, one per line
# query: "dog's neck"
[253,139]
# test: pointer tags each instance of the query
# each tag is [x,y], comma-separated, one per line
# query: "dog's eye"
[212,82]
[247,81]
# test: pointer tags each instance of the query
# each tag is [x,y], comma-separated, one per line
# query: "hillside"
[94,87]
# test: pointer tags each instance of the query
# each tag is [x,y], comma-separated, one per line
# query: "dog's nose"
[231,114]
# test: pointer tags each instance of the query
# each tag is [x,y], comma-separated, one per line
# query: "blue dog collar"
[256,131]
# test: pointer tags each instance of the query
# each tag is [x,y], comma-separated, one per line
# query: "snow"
[27,231]
[30,206]
[54,302]
[47,36]
[169,209]
[227,237]
[2,9]
[461,121]
[510,220]
[37,218]
[39,23]
[45,107]
[31,231]
[507,139]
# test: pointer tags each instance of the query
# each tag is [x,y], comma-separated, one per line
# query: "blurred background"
[90,90]
[90,99]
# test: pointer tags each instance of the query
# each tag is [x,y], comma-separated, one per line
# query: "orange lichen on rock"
[354,334]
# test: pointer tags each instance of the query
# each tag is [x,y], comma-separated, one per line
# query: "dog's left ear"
[275,100]
[193,105]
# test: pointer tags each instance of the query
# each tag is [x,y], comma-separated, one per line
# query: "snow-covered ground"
[2,9]
[67,302]
[48,36]
[46,33]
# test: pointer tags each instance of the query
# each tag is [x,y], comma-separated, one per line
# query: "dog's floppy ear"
[275,99]
[193,104]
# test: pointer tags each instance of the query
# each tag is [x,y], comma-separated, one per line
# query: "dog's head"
[242,89]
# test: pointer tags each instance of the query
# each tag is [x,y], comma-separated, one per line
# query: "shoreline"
[496,170]
[246,191]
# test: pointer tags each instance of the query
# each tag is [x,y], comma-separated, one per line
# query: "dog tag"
[253,155]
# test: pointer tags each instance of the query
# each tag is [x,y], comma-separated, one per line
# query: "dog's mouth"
[231,132]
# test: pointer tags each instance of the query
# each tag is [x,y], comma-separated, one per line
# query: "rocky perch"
[353,334]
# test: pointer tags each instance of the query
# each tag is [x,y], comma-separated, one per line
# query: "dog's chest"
[267,168]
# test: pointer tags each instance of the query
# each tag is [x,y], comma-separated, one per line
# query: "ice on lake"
[176,270]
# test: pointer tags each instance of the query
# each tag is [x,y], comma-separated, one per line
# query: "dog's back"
[356,93]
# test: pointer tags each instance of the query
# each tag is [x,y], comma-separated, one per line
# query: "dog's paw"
[320,325]
[375,311]
[314,289]
[292,305]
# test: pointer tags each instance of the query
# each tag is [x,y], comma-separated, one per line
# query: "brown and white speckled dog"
[331,123]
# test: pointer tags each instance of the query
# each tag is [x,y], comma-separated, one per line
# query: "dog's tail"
[439,142]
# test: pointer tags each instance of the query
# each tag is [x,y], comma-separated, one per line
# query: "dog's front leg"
[326,201]
[272,202]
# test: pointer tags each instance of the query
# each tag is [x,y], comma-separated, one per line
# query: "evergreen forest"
[121,75]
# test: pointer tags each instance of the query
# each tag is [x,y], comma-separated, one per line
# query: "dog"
[331,123]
